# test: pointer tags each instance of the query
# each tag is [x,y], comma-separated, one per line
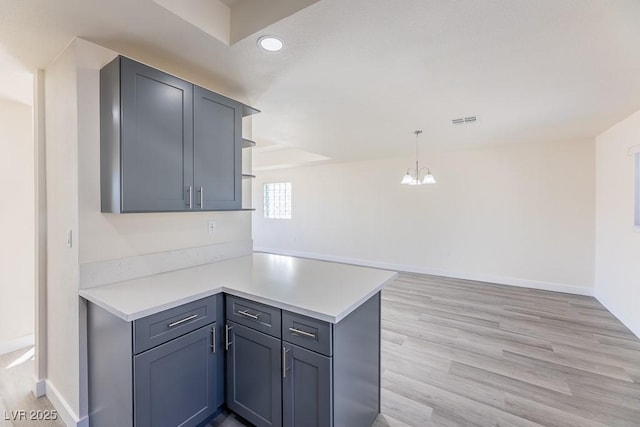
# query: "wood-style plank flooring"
[16,373]
[464,353]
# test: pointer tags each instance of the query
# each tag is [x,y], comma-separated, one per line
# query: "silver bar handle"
[190,191]
[284,362]
[303,333]
[226,337]
[201,197]
[247,314]
[213,339]
[179,322]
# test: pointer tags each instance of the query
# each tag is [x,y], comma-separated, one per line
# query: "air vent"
[465,120]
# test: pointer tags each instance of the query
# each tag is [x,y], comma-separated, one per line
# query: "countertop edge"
[334,318]
[153,310]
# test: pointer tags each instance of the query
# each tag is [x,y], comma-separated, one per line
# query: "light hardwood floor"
[464,353]
[16,372]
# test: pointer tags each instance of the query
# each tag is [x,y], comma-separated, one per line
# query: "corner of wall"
[617,240]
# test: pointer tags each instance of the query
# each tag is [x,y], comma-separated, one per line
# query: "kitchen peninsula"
[278,340]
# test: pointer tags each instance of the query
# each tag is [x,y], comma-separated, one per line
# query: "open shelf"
[249,111]
[247,143]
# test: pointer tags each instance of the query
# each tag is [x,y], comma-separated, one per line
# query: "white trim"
[636,214]
[40,235]
[502,280]
[67,415]
[39,387]
[621,315]
[17,344]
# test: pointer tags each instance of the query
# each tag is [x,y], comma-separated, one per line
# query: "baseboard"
[67,415]
[39,387]
[17,344]
[632,324]
[502,280]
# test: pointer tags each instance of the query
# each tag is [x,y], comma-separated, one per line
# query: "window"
[637,213]
[277,200]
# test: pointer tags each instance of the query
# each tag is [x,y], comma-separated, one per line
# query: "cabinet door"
[217,124]
[254,384]
[156,140]
[306,388]
[175,384]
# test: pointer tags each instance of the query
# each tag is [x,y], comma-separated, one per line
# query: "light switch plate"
[211,226]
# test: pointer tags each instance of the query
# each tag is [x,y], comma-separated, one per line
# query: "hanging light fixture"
[412,177]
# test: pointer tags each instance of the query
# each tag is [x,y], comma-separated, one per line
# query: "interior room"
[320,213]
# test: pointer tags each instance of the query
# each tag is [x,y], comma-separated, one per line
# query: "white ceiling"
[357,77]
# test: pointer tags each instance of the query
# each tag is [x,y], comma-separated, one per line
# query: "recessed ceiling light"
[270,43]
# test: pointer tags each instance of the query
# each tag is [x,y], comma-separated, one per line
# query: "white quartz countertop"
[323,290]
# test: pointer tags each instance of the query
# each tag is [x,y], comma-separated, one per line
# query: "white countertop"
[323,290]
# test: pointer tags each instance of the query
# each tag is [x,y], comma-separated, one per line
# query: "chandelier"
[412,177]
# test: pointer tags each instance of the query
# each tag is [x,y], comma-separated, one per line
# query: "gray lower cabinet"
[306,388]
[253,375]
[166,369]
[175,384]
[282,368]
[286,369]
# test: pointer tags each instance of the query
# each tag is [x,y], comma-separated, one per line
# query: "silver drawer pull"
[186,319]
[303,333]
[247,314]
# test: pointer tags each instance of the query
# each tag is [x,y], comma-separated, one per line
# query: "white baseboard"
[627,319]
[67,415]
[17,344]
[502,280]
[39,387]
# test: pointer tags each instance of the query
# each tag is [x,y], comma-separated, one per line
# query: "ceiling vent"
[465,120]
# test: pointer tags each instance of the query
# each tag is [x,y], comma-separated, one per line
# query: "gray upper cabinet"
[166,145]
[146,141]
[217,124]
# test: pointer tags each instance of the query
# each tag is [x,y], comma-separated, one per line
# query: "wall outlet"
[211,227]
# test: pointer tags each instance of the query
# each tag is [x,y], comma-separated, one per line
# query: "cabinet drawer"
[159,328]
[254,315]
[307,332]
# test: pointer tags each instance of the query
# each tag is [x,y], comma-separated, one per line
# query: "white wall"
[521,214]
[17,273]
[111,236]
[62,215]
[73,203]
[617,241]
